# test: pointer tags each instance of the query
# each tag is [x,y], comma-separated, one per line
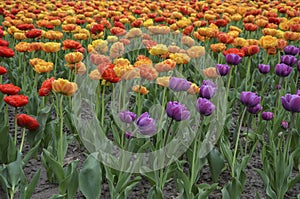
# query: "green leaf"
[57,196]
[216,164]
[232,190]
[90,178]
[57,168]
[30,188]
[30,153]
[266,181]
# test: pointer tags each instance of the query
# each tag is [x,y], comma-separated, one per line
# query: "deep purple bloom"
[223,69]
[264,68]
[179,84]
[233,59]
[204,106]
[284,124]
[249,98]
[283,70]
[298,66]
[207,89]
[127,116]
[146,124]
[267,116]
[291,50]
[128,135]
[177,111]
[254,109]
[291,103]
[288,60]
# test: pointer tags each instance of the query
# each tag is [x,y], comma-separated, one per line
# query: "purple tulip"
[249,99]
[146,124]
[204,106]
[298,92]
[179,84]
[298,66]
[264,68]
[127,116]
[223,69]
[278,86]
[283,70]
[284,124]
[254,109]
[207,89]
[288,60]
[128,135]
[233,59]
[291,50]
[291,103]
[267,116]
[177,111]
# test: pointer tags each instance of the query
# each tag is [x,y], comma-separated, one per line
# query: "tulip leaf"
[57,168]
[31,186]
[216,164]
[90,178]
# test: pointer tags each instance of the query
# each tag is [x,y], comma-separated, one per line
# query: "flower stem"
[60,154]
[168,132]
[102,105]
[237,142]
[248,73]
[228,82]
[16,127]
[23,138]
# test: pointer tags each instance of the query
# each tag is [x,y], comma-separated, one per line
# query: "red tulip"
[16,100]
[3,42]
[6,52]
[236,51]
[117,31]
[71,44]
[2,70]
[97,28]
[250,50]
[27,121]
[109,74]
[46,87]
[33,33]
[25,26]
[9,89]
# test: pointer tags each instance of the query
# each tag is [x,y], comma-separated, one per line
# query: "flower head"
[223,69]
[179,84]
[146,124]
[289,60]
[177,111]
[208,89]
[27,121]
[291,103]
[9,89]
[16,100]
[127,116]
[204,106]
[254,109]
[267,116]
[250,99]
[283,70]
[64,87]
[264,68]
[233,59]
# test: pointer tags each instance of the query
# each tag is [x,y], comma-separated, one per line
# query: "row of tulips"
[150,75]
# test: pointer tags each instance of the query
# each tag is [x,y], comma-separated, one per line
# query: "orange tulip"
[64,87]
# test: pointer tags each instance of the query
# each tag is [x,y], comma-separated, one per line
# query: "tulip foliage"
[152,91]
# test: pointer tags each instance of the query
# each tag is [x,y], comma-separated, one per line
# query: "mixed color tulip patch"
[154,91]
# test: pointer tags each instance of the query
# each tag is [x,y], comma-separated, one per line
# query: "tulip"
[291,50]
[6,52]
[233,59]
[204,106]
[267,116]
[208,89]
[64,87]
[222,69]
[264,68]
[254,109]
[3,70]
[127,116]
[146,124]
[128,135]
[289,60]
[284,124]
[177,111]
[291,103]
[249,99]
[283,70]
[179,84]
[9,89]
[27,121]
[16,100]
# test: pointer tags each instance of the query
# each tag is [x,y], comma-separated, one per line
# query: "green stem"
[6,115]
[102,106]
[23,138]
[60,154]
[168,132]
[248,73]
[16,127]
[237,142]
[228,82]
